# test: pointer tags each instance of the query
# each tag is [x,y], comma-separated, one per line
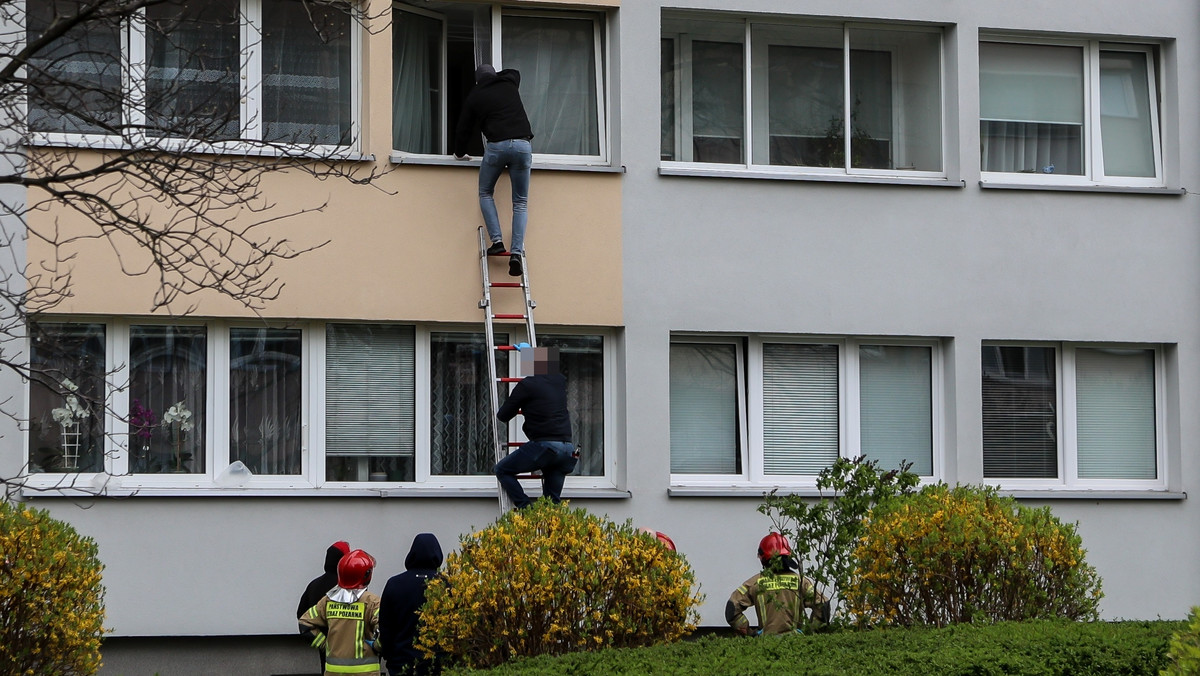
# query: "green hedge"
[1039,648]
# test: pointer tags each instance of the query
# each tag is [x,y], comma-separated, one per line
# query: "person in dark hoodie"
[494,107]
[400,603]
[321,584]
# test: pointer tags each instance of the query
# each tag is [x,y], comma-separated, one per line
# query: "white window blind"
[369,390]
[704,409]
[1115,411]
[800,408]
[896,410]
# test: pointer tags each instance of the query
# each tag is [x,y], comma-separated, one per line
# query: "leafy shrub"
[550,580]
[823,533]
[51,599]
[1184,655]
[1036,648]
[965,554]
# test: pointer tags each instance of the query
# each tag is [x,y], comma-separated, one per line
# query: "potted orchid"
[68,417]
[178,419]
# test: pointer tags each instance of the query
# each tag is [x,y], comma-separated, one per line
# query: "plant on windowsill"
[142,421]
[68,416]
[178,420]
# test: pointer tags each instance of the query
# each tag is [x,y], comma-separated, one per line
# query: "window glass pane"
[709,118]
[265,393]
[1031,108]
[192,78]
[557,59]
[66,397]
[167,396]
[306,89]
[1125,114]
[581,360]
[895,94]
[416,83]
[800,408]
[1114,392]
[75,82]
[704,409]
[370,385]
[460,406]
[798,96]
[1020,419]
[896,406]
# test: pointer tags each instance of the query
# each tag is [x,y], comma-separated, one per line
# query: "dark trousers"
[556,459]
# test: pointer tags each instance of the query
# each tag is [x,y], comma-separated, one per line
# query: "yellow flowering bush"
[965,554]
[51,599]
[549,579]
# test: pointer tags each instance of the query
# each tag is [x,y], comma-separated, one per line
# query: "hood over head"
[334,554]
[484,71]
[426,553]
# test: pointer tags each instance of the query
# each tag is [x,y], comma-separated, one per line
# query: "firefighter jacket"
[779,601]
[345,624]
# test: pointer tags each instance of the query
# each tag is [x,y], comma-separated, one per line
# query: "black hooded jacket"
[321,585]
[400,602]
[493,107]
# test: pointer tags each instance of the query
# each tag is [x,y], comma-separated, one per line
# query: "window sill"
[84,491]
[449,161]
[739,491]
[735,172]
[1056,494]
[256,149]
[1140,190]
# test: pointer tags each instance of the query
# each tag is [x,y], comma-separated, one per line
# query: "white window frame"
[750,391]
[683,92]
[1068,429]
[743,449]
[1093,153]
[134,65]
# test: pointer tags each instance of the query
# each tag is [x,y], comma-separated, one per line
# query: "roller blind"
[896,409]
[1030,83]
[1114,393]
[704,409]
[800,408]
[1020,420]
[369,390]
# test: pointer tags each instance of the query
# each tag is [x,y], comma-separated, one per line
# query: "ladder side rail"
[499,444]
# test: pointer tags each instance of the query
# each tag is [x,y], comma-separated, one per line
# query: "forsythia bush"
[51,599]
[965,554]
[550,580]
[1183,659]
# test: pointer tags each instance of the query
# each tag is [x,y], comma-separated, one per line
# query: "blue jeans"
[517,156]
[556,459]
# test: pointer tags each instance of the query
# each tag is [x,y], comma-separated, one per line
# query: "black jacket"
[542,400]
[494,107]
[322,584]
[399,604]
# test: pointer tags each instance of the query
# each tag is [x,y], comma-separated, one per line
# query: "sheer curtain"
[167,367]
[557,60]
[192,83]
[459,404]
[87,59]
[66,397]
[416,75]
[581,360]
[265,391]
[306,90]
[1031,108]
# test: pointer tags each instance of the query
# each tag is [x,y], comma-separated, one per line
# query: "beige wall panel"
[404,250]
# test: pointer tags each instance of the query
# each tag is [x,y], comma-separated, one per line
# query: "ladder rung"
[515,443]
[508,316]
[506,379]
[503,253]
[507,348]
[507,285]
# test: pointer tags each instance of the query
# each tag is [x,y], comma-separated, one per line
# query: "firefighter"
[779,595]
[345,621]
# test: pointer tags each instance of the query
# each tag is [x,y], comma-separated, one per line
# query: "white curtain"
[416,99]
[265,391]
[306,73]
[557,59]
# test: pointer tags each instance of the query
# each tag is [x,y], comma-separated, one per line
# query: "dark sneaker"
[514,265]
[495,249]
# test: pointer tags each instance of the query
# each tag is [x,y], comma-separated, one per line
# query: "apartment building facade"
[764,236]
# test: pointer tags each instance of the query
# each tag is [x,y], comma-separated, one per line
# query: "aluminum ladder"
[500,439]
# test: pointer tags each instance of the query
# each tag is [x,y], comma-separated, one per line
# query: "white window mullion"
[602,97]
[497,37]
[251,76]
[312,346]
[1155,139]
[685,100]
[421,399]
[753,450]
[316,427]
[358,76]
[747,109]
[1093,146]
[116,410]
[217,402]
[851,407]
[846,98]
[135,74]
[1067,418]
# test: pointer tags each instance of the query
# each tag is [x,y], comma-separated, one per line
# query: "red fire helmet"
[354,570]
[773,545]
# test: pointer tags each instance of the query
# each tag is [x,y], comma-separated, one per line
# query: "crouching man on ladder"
[541,397]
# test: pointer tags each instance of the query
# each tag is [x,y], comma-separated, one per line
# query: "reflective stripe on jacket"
[344,630]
